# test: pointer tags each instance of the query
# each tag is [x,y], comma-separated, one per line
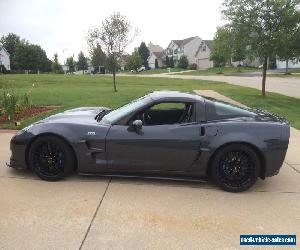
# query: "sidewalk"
[289,86]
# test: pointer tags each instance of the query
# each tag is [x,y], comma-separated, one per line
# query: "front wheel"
[51,158]
[235,168]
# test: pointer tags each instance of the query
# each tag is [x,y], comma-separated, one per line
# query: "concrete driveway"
[105,213]
[289,86]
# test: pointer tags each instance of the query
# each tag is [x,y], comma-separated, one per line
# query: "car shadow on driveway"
[268,185]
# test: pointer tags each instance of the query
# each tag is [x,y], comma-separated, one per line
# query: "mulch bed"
[33,111]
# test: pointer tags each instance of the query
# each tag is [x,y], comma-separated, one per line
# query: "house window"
[175,51]
[204,48]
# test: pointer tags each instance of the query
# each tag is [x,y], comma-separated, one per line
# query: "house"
[123,61]
[203,53]
[4,60]
[154,48]
[291,64]
[159,56]
[194,48]
[156,53]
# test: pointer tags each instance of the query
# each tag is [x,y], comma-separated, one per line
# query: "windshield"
[117,114]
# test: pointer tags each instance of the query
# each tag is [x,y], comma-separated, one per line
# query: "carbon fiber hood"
[81,115]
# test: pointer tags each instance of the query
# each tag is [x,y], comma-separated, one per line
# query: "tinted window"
[168,105]
[166,113]
[117,114]
[219,110]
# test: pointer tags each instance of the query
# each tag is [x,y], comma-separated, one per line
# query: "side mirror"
[137,124]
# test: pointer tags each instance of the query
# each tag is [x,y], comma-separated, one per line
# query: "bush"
[9,104]
[183,62]
[193,66]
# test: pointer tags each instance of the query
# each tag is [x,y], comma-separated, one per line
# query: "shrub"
[9,104]
[26,103]
[183,62]
[193,66]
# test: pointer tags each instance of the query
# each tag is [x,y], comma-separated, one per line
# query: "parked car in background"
[141,69]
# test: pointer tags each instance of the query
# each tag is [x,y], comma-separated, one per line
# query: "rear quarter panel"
[265,137]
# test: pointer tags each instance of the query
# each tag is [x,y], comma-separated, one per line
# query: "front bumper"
[274,160]
[15,164]
[18,145]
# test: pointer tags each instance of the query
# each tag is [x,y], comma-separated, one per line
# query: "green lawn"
[71,91]
[222,70]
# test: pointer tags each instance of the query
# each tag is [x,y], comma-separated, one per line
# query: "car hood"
[83,115]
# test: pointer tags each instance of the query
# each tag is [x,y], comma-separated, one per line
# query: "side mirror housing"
[137,124]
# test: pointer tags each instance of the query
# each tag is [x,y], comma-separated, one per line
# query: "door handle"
[202,131]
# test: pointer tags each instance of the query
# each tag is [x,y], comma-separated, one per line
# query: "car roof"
[175,96]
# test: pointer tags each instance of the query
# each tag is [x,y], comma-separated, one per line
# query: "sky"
[60,26]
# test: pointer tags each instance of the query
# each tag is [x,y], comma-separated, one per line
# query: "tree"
[238,45]
[156,63]
[287,52]
[183,62]
[10,43]
[114,35]
[135,61]
[265,22]
[31,57]
[221,52]
[171,62]
[71,64]
[56,66]
[98,57]
[167,61]
[82,61]
[144,52]
[289,47]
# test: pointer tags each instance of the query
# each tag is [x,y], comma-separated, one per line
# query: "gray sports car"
[164,134]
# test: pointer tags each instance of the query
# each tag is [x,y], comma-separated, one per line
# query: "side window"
[167,113]
[217,110]
[168,106]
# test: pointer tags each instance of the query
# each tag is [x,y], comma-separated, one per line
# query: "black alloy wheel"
[236,167]
[51,158]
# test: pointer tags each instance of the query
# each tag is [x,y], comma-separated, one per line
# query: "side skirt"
[199,179]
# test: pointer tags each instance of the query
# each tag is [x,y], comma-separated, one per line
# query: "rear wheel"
[235,167]
[51,158]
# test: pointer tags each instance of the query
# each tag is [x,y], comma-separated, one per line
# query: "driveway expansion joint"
[295,169]
[94,215]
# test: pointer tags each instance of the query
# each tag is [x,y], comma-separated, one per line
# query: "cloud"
[61,25]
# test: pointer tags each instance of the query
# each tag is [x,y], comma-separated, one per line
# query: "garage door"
[204,63]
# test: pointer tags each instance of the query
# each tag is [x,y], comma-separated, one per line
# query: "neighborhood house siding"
[194,48]
[4,59]
[159,56]
[203,54]
[191,49]
[291,64]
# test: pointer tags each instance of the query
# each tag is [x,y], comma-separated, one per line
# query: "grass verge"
[70,91]
[221,70]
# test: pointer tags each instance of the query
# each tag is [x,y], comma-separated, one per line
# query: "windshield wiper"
[100,115]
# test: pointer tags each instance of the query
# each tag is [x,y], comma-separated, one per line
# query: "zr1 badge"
[91,133]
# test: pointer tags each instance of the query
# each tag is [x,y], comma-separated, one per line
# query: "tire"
[236,167]
[51,158]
